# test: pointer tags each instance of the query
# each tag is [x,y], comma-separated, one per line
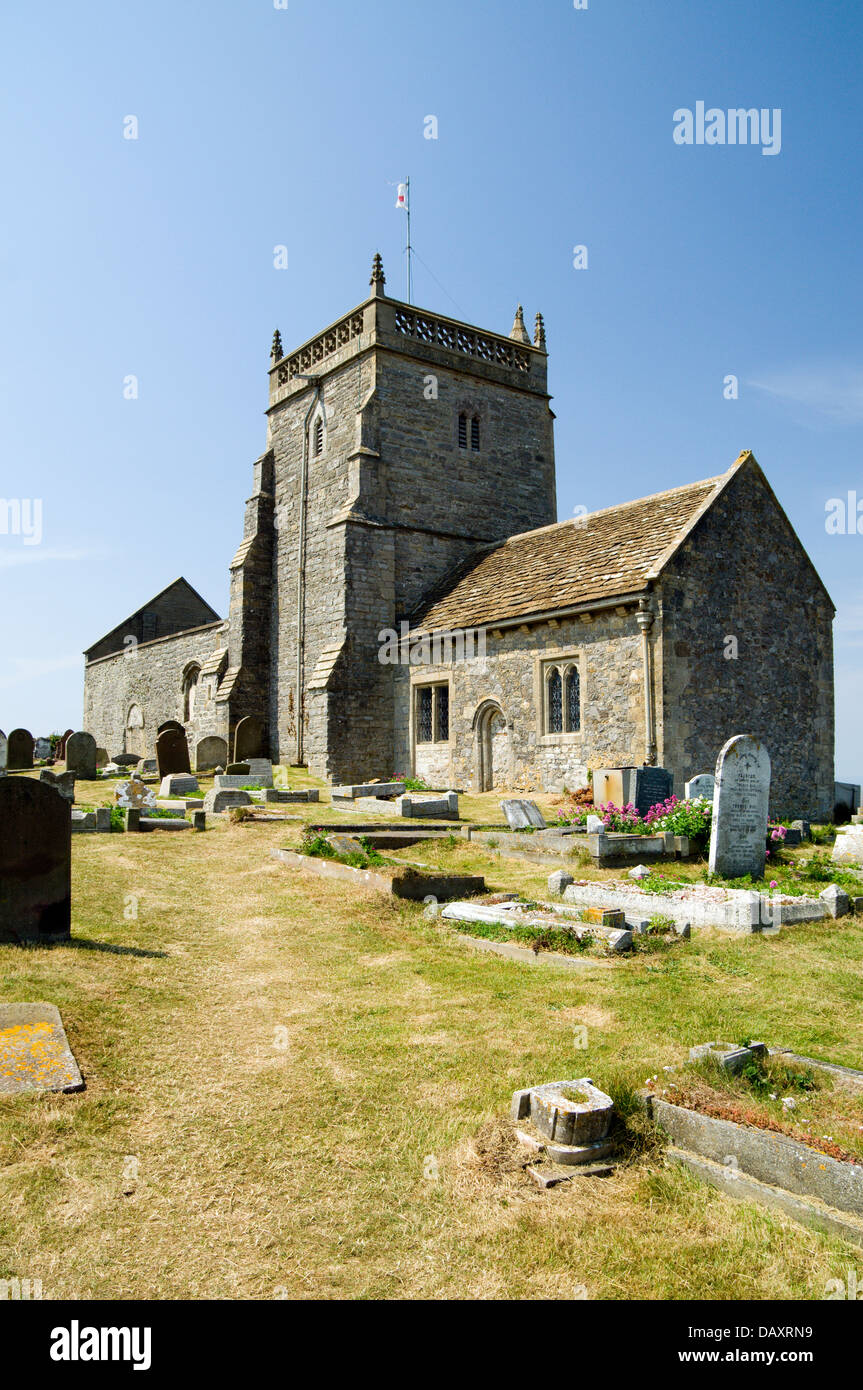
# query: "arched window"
[555,702]
[572,700]
[190,690]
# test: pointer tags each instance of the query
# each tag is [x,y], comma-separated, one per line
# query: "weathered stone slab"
[172,752]
[738,833]
[377,789]
[345,844]
[429,807]
[280,794]
[726,1055]
[81,756]
[836,900]
[41,749]
[19,753]
[219,799]
[238,769]
[83,821]
[35,862]
[227,783]
[62,782]
[702,784]
[34,1051]
[848,847]
[135,795]
[178,784]
[163,823]
[103,819]
[559,880]
[521,815]
[260,767]
[210,752]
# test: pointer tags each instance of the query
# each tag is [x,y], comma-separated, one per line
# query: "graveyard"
[312,1047]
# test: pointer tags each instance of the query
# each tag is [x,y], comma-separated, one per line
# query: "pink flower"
[773,883]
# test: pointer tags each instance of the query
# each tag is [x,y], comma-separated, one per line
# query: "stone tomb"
[702,784]
[172,752]
[210,753]
[738,832]
[20,750]
[35,862]
[34,1051]
[521,815]
[81,756]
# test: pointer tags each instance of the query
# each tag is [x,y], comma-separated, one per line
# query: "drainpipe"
[644,618]
[301,564]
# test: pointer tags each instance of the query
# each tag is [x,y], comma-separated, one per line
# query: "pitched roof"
[607,553]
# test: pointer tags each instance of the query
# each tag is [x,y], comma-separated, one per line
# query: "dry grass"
[312,1086]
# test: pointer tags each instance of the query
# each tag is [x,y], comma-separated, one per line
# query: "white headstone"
[702,784]
[595,825]
[135,795]
[521,815]
[738,832]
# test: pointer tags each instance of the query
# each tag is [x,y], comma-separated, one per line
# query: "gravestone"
[4,753]
[62,782]
[702,784]
[178,784]
[20,749]
[210,752]
[170,724]
[126,759]
[217,801]
[260,767]
[172,752]
[249,739]
[652,785]
[522,814]
[35,862]
[81,756]
[738,831]
[41,749]
[135,795]
[61,746]
[101,757]
[238,770]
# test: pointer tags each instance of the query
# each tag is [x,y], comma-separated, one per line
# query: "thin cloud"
[835,392]
[36,555]
[26,668]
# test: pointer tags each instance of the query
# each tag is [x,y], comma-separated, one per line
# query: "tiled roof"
[597,556]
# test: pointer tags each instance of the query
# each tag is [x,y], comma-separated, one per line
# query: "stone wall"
[743,574]
[607,648]
[152,678]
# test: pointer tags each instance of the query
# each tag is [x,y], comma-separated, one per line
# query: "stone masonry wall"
[608,650]
[743,574]
[153,680]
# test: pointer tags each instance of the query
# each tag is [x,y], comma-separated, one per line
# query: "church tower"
[398,442]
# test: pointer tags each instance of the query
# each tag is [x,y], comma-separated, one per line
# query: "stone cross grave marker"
[81,756]
[172,752]
[135,795]
[20,750]
[35,862]
[738,831]
[702,784]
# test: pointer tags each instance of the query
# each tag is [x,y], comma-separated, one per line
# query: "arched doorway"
[490,745]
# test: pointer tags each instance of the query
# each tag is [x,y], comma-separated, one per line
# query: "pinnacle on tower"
[518,330]
[378,277]
[276,353]
[539,333]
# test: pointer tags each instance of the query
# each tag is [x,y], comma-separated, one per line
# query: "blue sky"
[260,127]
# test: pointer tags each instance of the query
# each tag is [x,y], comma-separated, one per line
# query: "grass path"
[311,1087]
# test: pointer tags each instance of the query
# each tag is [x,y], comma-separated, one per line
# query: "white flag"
[402,197]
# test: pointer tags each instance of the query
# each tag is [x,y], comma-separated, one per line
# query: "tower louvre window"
[462,431]
[318,446]
[474,432]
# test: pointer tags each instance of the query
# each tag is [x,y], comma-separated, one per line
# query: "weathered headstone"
[178,784]
[103,818]
[35,862]
[249,739]
[522,814]
[20,750]
[260,767]
[199,820]
[135,795]
[702,784]
[738,832]
[61,746]
[652,786]
[41,749]
[170,724]
[81,756]
[4,752]
[172,752]
[210,752]
[238,770]
[62,782]
[126,759]
[101,757]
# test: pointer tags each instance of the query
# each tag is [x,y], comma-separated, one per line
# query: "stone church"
[404,600]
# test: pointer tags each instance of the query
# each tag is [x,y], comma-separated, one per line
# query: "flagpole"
[408,246]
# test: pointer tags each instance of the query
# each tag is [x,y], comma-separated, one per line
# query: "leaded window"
[432,713]
[555,703]
[573,700]
[562,689]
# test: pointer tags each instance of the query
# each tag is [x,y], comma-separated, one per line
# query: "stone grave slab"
[227,783]
[222,799]
[738,832]
[34,1051]
[848,847]
[35,862]
[351,791]
[521,815]
[81,755]
[178,784]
